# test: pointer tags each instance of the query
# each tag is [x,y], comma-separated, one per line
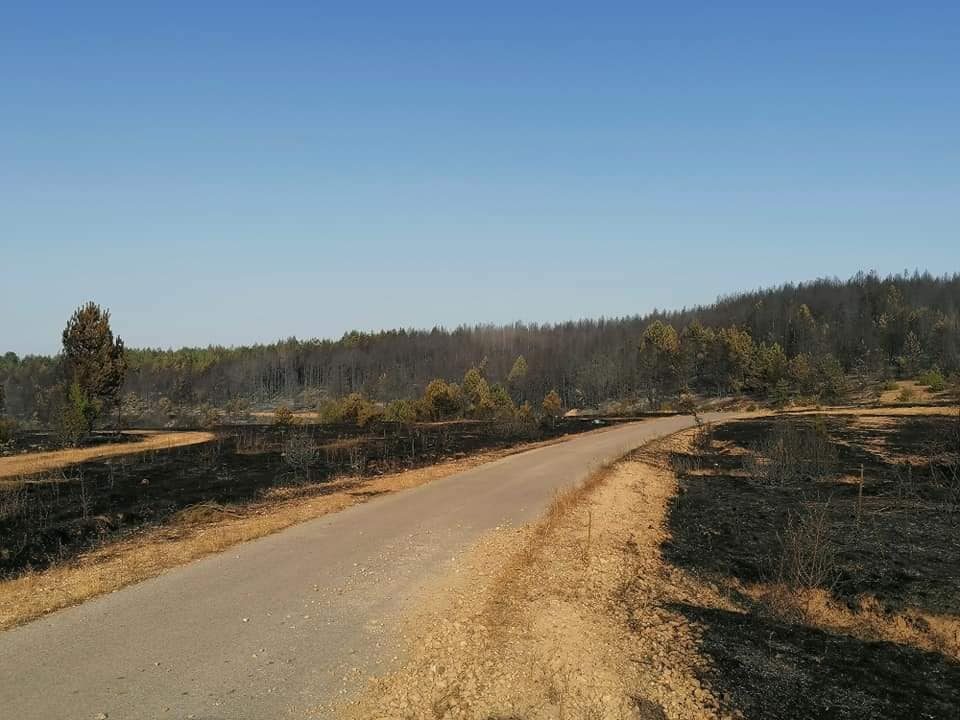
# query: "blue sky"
[241,172]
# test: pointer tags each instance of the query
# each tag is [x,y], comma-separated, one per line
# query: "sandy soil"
[31,463]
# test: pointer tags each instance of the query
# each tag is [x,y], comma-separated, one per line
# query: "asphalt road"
[290,622]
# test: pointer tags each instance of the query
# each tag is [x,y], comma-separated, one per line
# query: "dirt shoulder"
[39,462]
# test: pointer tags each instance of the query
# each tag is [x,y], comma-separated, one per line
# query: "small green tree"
[831,380]
[517,377]
[771,365]
[659,360]
[780,394]
[503,406]
[800,372]
[476,393]
[77,415]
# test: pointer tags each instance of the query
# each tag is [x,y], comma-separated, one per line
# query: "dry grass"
[882,411]
[33,463]
[906,391]
[867,620]
[204,529]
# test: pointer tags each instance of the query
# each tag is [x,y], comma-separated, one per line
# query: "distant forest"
[812,338]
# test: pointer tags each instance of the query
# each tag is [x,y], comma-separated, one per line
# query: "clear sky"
[237,172]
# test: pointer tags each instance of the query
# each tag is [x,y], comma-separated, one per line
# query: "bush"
[283,416]
[933,380]
[401,411]
[521,423]
[300,453]
[354,409]
[907,394]
[808,559]
[441,401]
[793,452]
[358,410]
[330,411]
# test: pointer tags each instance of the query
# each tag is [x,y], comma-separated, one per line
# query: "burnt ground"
[56,516]
[783,671]
[28,442]
[898,543]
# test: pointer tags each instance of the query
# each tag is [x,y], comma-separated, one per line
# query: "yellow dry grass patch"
[877,412]
[32,463]
[906,391]
[867,621]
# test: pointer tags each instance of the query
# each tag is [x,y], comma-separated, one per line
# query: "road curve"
[276,626]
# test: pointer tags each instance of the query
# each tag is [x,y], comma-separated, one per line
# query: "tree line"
[808,338]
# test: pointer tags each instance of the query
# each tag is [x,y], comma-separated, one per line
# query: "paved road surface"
[274,626]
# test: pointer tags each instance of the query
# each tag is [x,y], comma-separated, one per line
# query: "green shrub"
[354,409]
[401,411]
[934,380]
[76,417]
[358,410]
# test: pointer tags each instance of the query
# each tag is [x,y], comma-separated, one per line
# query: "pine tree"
[94,363]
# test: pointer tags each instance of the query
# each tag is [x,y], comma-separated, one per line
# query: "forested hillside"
[809,339]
